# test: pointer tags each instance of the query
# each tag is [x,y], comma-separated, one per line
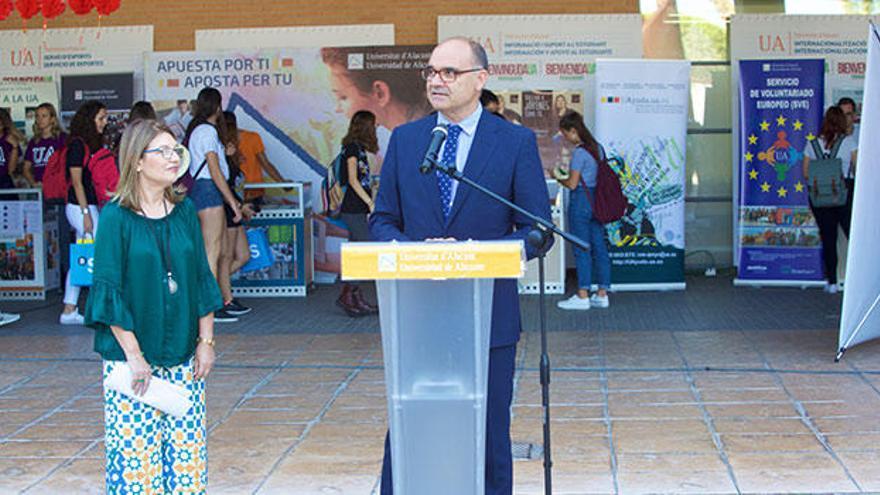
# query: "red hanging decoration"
[81,7]
[5,9]
[27,8]
[107,7]
[52,9]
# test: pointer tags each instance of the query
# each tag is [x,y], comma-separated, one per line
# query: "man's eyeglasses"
[169,152]
[447,74]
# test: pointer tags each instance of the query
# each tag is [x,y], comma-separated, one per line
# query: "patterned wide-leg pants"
[150,452]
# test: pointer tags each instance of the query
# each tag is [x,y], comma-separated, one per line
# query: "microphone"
[438,135]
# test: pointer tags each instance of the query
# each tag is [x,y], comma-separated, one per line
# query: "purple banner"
[780,112]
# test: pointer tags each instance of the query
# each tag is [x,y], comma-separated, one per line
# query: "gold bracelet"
[210,342]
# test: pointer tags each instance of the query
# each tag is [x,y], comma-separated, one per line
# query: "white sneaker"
[599,301]
[7,318]
[574,302]
[72,318]
[831,288]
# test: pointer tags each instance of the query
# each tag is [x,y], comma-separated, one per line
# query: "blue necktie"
[448,159]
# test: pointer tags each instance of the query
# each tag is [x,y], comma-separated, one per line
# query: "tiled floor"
[633,412]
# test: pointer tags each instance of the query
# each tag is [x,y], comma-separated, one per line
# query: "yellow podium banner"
[432,260]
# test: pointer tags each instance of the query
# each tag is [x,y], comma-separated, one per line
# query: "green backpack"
[827,188]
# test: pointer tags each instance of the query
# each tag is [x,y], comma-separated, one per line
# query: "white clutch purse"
[161,394]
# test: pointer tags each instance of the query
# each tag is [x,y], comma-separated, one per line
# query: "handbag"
[261,252]
[82,260]
[161,394]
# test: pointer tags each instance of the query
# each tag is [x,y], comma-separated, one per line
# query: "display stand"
[435,304]
[25,257]
[285,225]
[554,282]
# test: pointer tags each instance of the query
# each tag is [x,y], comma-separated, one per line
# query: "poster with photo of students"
[21,97]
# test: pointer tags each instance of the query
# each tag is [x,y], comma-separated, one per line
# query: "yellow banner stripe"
[432,260]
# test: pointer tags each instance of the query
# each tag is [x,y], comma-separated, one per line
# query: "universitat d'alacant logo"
[771,161]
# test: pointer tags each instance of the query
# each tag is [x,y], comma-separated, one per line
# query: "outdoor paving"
[654,395]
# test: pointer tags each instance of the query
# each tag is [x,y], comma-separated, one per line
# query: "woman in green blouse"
[151,304]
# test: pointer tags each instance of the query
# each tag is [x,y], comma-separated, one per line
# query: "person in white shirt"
[848,105]
[210,172]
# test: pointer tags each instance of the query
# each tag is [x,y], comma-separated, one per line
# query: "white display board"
[295,37]
[641,117]
[547,52]
[298,99]
[21,98]
[71,51]
[22,245]
[860,317]
[838,39]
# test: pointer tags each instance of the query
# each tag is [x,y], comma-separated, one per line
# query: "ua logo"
[42,155]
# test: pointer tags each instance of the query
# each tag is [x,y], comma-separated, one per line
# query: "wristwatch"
[86,211]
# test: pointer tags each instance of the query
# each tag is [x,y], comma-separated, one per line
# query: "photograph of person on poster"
[394,96]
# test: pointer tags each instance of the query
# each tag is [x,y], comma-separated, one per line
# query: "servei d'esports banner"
[781,106]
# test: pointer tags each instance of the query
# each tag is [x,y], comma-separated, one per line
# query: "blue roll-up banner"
[781,107]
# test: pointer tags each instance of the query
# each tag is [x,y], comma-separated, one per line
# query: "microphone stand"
[539,238]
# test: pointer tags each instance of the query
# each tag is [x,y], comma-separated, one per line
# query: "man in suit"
[412,206]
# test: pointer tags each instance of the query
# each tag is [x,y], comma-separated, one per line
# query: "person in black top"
[357,202]
[235,250]
[141,110]
[11,140]
[86,136]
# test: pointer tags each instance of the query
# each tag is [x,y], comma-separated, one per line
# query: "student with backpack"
[205,138]
[84,147]
[828,159]
[581,179]
[48,139]
[357,201]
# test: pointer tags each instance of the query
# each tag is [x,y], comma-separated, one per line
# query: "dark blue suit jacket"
[504,158]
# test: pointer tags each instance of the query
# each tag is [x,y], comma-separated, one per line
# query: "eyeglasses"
[447,74]
[169,152]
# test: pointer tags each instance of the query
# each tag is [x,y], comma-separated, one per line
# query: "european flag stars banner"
[781,111]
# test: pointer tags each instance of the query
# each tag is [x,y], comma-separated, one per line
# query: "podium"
[435,301]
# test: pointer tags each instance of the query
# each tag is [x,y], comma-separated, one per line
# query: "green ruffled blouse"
[130,289]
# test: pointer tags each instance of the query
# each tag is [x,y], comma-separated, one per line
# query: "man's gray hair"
[477,51]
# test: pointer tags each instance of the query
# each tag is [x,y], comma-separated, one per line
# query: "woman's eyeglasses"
[169,152]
